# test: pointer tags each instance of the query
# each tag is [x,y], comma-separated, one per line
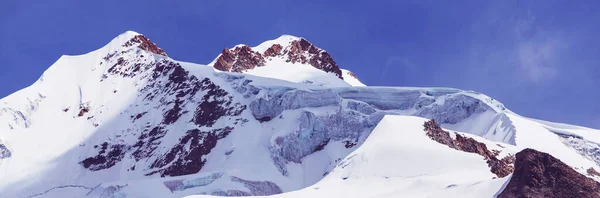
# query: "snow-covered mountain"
[287,58]
[280,119]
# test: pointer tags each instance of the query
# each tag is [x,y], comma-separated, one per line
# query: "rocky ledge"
[500,167]
[538,174]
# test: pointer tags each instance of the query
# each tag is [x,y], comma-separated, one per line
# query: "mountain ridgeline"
[279,119]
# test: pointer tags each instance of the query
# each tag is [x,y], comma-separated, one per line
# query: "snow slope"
[126,118]
[399,160]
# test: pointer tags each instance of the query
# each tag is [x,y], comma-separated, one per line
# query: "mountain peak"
[283,40]
[131,33]
[286,48]
[145,44]
[131,38]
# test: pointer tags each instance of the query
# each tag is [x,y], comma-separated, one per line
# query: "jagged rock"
[4,152]
[273,50]
[302,51]
[539,174]
[186,157]
[352,74]
[145,44]
[108,156]
[239,59]
[591,171]
[176,94]
[500,167]
[242,57]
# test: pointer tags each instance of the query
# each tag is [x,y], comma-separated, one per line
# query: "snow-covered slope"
[399,160]
[419,167]
[126,118]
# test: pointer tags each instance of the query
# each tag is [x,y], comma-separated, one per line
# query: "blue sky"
[540,58]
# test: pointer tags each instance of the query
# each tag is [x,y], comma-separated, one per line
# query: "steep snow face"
[107,115]
[288,58]
[351,78]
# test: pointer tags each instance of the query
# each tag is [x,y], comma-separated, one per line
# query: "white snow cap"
[283,40]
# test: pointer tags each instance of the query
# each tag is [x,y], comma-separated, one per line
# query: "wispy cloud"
[537,59]
[400,62]
[514,43]
[537,50]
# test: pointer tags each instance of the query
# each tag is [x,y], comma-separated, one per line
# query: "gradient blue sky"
[540,58]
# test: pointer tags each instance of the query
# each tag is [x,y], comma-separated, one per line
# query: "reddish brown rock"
[239,59]
[538,174]
[302,51]
[145,44]
[352,74]
[593,172]
[83,110]
[243,58]
[177,93]
[500,167]
[273,51]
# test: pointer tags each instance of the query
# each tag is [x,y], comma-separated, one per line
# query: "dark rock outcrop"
[302,51]
[183,161]
[352,74]
[593,172]
[273,50]
[500,167]
[145,44]
[539,174]
[108,156]
[242,58]
[83,109]
[4,152]
[239,59]
[164,88]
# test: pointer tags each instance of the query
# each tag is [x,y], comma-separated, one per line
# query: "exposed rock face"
[239,59]
[500,167]
[538,174]
[4,152]
[181,160]
[145,44]
[352,74]
[164,88]
[302,51]
[593,172]
[273,50]
[242,58]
